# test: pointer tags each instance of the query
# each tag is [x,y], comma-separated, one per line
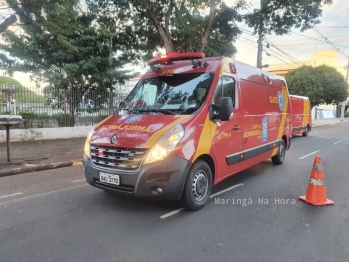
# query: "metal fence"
[57,108]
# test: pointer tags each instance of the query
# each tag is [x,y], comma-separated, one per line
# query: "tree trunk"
[208,27]
[163,32]
[8,21]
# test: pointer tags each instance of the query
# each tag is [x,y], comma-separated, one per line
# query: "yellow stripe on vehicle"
[283,120]
[305,113]
[155,137]
[206,138]
[102,122]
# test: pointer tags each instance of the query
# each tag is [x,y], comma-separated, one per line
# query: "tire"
[306,132]
[279,158]
[198,186]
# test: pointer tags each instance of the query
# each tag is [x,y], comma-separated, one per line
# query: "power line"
[293,51]
[292,58]
[253,41]
[277,57]
[317,31]
[330,26]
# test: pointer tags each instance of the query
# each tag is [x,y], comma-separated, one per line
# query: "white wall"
[44,133]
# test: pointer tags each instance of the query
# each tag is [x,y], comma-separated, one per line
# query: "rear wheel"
[279,158]
[306,132]
[198,186]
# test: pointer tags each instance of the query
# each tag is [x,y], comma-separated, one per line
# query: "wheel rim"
[282,152]
[200,185]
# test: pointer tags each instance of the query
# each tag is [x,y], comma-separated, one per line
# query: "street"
[255,215]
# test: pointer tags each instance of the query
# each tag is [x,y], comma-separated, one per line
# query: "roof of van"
[185,66]
[302,97]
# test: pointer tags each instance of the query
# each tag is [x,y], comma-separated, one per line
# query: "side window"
[225,87]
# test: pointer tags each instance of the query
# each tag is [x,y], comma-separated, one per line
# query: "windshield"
[174,94]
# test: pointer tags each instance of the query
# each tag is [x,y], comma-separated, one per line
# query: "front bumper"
[169,175]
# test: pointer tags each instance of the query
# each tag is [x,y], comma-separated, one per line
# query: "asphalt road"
[54,215]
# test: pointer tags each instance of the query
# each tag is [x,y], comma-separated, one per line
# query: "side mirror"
[223,110]
[122,105]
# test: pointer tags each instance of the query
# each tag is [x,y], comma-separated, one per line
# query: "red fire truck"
[188,124]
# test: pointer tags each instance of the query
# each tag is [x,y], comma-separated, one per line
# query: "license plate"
[109,178]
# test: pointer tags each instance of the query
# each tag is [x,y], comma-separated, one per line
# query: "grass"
[22,94]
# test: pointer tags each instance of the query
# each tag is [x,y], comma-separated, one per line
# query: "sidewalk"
[327,122]
[39,155]
[49,154]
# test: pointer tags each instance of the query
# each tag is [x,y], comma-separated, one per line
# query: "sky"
[299,45]
[294,47]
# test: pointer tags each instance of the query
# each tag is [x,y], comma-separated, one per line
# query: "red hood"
[134,131]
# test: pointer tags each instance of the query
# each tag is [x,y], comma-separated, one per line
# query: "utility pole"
[260,37]
[260,50]
[344,102]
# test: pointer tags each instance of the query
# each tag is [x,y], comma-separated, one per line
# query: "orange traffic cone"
[316,192]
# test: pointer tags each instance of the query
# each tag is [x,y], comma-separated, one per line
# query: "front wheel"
[197,189]
[279,158]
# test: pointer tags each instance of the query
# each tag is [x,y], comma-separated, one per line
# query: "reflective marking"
[316,182]
[317,166]
[79,180]
[216,194]
[225,190]
[10,195]
[39,195]
[172,213]
[339,141]
[309,154]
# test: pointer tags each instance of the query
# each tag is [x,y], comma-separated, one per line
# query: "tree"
[75,53]
[181,26]
[322,84]
[280,16]
[42,30]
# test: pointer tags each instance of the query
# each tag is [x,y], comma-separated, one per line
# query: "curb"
[16,171]
[320,125]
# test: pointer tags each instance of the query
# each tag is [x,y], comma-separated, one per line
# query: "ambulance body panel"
[301,115]
[188,125]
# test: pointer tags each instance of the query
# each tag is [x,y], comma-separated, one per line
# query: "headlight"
[87,144]
[165,144]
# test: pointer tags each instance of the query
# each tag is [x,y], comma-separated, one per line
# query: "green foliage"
[22,94]
[347,114]
[322,84]
[71,53]
[64,119]
[26,115]
[9,81]
[100,118]
[181,23]
[6,113]
[34,120]
[280,16]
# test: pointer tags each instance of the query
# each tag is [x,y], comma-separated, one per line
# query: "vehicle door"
[227,140]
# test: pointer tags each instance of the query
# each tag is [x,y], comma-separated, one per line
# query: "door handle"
[236,127]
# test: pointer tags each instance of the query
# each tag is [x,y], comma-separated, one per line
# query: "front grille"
[117,158]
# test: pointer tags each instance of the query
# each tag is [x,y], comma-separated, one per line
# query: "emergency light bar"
[169,58]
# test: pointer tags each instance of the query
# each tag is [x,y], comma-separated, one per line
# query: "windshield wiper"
[159,110]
